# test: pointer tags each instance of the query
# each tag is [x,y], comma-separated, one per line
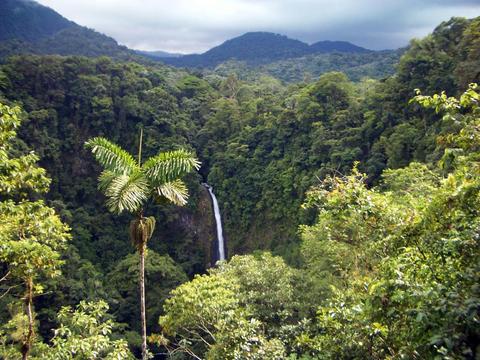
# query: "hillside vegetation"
[350,205]
[289,60]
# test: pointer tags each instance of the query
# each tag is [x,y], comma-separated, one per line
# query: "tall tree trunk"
[141,250]
[142,301]
[27,344]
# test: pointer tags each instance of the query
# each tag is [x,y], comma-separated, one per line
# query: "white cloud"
[197,25]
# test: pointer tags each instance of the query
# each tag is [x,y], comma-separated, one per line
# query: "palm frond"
[175,191]
[127,192]
[111,156]
[105,179]
[168,166]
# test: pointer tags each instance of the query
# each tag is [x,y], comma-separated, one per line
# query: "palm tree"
[128,185]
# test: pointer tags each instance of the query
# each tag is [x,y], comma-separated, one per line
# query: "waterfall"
[218,221]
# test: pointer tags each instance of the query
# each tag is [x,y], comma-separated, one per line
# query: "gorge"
[348,199]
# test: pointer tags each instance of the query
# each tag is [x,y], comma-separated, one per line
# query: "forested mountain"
[261,48]
[260,53]
[27,27]
[367,199]
[29,21]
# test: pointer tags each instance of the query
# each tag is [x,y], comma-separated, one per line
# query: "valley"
[347,190]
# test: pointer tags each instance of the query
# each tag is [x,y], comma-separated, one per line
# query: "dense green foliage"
[390,272]
[83,333]
[224,314]
[368,201]
[289,137]
[405,256]
[32,237]
[357,65]
[31,234]
[97,97]
[68,162]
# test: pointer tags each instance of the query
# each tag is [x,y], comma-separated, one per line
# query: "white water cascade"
[218,221]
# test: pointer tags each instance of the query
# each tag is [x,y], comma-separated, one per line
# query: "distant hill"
[29,27]
[258,48]
[158,54]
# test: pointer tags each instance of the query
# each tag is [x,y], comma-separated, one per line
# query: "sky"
[194,26]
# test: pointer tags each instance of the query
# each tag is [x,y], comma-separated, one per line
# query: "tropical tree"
[247,309]
[85,333]
[32,235]
[128,185]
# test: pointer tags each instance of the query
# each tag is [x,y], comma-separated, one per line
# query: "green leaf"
[111,156]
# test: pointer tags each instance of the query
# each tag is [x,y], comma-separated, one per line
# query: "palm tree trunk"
[28,309]
[142,301]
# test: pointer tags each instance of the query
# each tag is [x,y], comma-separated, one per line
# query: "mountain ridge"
[260,47]
[27,26]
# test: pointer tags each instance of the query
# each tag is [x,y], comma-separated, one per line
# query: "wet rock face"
[199,224]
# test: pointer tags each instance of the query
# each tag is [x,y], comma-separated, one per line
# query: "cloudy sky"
[188,26]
